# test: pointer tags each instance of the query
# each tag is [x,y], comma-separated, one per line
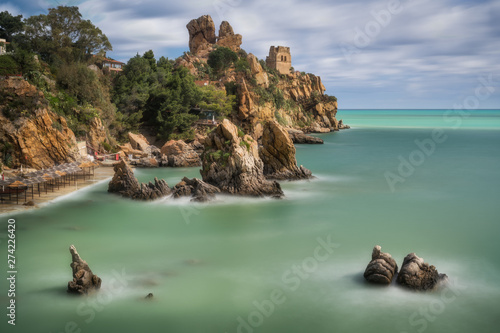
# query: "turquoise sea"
[423,181]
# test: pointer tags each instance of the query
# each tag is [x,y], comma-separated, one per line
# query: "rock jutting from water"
[278,154]
[231,162]
[382,267]
[298,136]
[125,183]
[198,189]
[417,275]
[84,281]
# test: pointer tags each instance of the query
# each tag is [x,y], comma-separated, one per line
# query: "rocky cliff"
[278,154]
[295,99]
[30,133]
[231,162]
[202,38]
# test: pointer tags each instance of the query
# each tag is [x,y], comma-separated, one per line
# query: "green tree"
[62,35]
[10,25]
[217,100]
[150,56]
[221,59]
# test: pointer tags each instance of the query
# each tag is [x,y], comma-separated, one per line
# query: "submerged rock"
[125,183]
[415,274]
[278,154]
[84,281]
[231,162]
[382,267]
[195,187]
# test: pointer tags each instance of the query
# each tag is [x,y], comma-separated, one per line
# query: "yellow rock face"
[39,137]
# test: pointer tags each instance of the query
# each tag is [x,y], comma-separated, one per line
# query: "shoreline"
[100,174]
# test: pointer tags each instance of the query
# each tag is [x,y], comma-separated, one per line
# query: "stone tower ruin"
[280,59]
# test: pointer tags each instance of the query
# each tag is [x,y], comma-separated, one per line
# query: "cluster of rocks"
[415,274]
[232,162]
[195,188]
[174,153]
[84,281]
[125,184]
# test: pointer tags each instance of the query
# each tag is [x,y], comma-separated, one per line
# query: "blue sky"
[369,53]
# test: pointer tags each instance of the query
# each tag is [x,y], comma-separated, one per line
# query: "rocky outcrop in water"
[125,183]
[301,138]
[417,275]
[231,162]
[84,281]
[196,188]
[179,154]
[382,267]
[30,132]
[278,154]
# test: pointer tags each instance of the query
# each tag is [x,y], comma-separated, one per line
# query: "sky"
[370,54]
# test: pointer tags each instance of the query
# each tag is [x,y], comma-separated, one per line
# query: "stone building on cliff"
[280,59]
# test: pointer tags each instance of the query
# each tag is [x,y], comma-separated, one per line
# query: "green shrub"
[241,65]
[216,155]
[243,143]
[107,146]
[221,59]
[57,125]
[8,66]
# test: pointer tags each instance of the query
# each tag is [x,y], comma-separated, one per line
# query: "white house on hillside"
[3,46]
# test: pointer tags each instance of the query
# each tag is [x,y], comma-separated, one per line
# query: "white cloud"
[13,9]
[425,47]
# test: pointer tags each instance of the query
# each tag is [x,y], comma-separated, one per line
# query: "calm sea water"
[419,181]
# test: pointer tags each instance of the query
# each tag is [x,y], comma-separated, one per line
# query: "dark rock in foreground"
[84,281]
[198,189]
[278,154]
[125,183]
[382,267]
[417,275]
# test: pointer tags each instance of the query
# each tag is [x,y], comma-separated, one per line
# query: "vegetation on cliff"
[62,54]
[159,94]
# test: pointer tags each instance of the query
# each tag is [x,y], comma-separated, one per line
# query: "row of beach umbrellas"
[51,176]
